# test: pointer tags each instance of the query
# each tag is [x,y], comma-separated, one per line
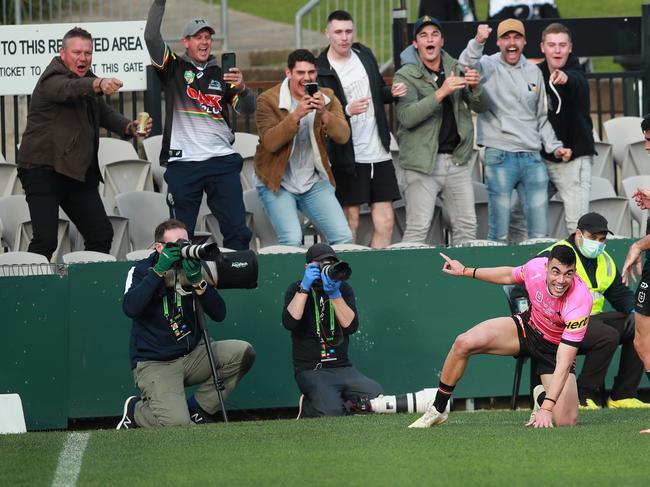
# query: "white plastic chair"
[281,249]
[112,150]
[246,145]
[621,132]
[126,176]
[82,256]
[24,264]
[408,245]
[617,212]
[139,254]
[63,243]
[603,165]
[630,185]
[635,160]
[152,147]
[349,247]
[263,232]
[601,188]
[145,210]
[9,182]
[13,212]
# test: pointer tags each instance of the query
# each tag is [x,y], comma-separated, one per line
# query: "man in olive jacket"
[291,165]
[57,160]
[435,133]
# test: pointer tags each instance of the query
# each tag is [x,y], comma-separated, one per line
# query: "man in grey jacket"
[436,134]
[513,129]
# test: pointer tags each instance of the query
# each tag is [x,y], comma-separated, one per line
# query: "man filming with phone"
[197,140]
[167,349]
[292,169]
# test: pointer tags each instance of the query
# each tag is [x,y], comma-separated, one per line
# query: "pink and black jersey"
[196,124]
[559,319]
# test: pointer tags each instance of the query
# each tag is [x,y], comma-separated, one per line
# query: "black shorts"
[642,297]
[533,344]
[370,183]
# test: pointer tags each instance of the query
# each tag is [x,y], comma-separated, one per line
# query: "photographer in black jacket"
[321,314]
[167,349]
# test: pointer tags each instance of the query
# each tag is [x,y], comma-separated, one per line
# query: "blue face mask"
[591,248]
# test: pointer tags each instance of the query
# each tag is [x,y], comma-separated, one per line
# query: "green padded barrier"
[67,350]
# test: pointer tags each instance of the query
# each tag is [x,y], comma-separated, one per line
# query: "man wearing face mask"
[606,329]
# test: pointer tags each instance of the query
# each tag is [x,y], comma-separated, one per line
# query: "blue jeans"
[525,172]
[319,204]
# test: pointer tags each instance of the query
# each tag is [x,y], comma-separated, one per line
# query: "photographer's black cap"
[594,223]
[320,251]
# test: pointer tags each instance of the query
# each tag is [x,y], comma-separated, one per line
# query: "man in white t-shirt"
[363,167]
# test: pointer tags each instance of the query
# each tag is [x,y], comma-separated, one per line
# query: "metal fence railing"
[64,11]
[373,20]
[612,95]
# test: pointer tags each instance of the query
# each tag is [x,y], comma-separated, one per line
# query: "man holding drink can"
[57,160]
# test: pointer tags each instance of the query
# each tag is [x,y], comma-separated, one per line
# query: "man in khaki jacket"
[291,165]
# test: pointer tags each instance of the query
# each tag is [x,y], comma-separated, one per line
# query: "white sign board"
[118,52]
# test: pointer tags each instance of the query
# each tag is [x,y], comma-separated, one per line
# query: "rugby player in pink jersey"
[550,331]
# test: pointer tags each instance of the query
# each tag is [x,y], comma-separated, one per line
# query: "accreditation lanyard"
[327,350]
[178,327]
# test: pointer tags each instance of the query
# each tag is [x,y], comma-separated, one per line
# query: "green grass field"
[487,448]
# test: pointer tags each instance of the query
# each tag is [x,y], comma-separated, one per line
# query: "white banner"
[118,52]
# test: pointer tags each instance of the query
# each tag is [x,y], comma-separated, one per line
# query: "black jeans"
[604,334]
[328,391]
[46,190]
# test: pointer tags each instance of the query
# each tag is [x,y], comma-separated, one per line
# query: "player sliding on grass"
[549,332]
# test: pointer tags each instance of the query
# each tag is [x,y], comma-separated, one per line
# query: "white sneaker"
[301,402]
[537,391]
[431,418]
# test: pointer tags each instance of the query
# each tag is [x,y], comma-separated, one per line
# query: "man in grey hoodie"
[513,129]
[436,134]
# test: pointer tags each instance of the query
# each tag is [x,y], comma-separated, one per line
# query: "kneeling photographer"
[167,348]
[320,311]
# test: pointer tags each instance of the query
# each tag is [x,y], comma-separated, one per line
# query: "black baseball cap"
[594,223]
[423,21]
[319,252]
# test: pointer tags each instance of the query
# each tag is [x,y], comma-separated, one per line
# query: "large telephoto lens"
[200,252]
[337,271]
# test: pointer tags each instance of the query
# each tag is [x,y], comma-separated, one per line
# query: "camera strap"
[319,312]
[178,327]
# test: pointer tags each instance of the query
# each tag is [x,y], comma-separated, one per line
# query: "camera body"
[224,270]
[336,270]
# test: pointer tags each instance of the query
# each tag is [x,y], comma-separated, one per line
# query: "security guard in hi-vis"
[606,329]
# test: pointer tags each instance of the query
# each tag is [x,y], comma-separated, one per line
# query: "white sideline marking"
[67,470]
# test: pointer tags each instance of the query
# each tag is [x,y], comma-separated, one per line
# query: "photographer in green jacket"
[436,134]
[606,329]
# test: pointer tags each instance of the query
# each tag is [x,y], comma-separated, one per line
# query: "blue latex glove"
[312,272]
[331,288]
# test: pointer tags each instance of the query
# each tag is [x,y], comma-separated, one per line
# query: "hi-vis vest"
[605,274]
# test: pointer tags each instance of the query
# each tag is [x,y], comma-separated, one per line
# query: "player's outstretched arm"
[633,259]
[564,358]
[495,275]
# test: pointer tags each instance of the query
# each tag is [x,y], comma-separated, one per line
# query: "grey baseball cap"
[196,25]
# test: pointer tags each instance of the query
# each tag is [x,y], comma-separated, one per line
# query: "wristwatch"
[302,290]
[201,285]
